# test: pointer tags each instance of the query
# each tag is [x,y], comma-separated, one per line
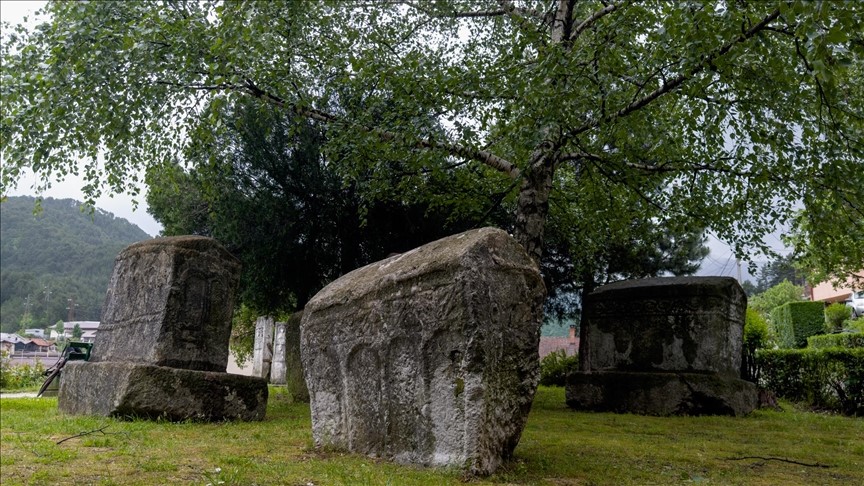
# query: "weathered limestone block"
[169,303]
[660,393]
[663,346]
[429,357]
[262,351]
[162,347]
[134,390]
[277,366]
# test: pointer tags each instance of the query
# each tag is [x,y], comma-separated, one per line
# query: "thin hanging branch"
[674,83]
[483,156]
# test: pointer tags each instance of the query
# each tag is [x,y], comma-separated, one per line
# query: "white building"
[88,329]
[39,333]
[829,293]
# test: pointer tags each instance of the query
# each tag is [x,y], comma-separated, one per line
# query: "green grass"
[558,447]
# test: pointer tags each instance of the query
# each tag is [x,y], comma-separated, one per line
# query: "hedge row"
[830,378]
[840,340]
[796,321]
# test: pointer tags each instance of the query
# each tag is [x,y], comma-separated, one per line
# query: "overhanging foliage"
[721,115]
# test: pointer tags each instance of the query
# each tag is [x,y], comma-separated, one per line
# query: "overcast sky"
[721,261]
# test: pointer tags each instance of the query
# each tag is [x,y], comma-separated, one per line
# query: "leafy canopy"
[265,189]
[719,114]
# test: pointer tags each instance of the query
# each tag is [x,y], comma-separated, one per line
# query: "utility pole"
[738,261]
[47,291]
[71,308]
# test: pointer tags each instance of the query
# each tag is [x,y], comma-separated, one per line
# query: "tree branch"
[593,18]
[675,82]
[769,458]
[619,180]
[82,434]
[680,166]
[482,156]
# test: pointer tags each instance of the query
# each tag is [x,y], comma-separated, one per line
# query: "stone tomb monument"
[663,346]
[428,357]
[285,366]
[162,346]
[262,348]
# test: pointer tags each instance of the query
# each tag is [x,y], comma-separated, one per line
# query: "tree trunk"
[588,286]
[532,208]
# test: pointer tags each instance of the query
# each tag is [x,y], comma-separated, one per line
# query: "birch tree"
[727,114]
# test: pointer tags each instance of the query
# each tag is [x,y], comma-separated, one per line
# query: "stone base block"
[661,393]
[121,389]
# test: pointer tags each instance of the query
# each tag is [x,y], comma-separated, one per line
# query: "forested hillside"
[60,256]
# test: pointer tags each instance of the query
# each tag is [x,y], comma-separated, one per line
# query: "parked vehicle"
[857,303]
[75,351]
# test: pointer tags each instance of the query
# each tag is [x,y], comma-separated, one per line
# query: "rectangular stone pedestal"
[122,389]
[660,393]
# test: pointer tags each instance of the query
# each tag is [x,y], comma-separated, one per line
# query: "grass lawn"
[558,447]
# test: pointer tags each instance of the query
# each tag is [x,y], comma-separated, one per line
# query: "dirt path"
[18,395]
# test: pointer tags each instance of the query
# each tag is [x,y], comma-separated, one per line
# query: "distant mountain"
[56,258]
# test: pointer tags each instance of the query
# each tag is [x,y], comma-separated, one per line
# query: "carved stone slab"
[169,303]
[428,357]
[162,347]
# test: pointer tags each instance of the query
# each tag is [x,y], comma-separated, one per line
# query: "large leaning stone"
[663,346]
[169,303]
[429,357]
[134,390]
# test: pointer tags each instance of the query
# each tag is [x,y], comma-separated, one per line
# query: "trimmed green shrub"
[794,322]
[775,296]
[555,366]
[840,340]
[831,378]
[836,314]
